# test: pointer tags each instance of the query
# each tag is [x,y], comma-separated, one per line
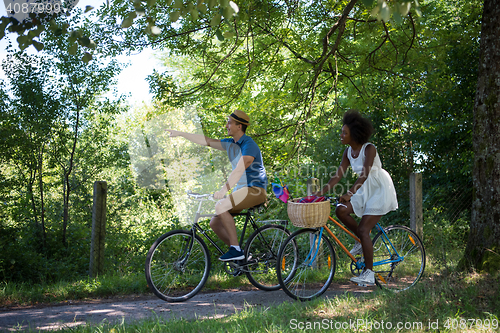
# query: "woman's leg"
[365,226]
[344,212]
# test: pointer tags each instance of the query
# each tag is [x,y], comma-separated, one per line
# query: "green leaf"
[228,34]
[202,8]
[141,11]
[76,34]
[403,8]
[194,14]
[397,17]
[228,12]
[211,3]
[84,41]
[86,57]
[215,21]
[219,35]
[73,49]
[368,3]
[88,8]
[38,46]
[129,20]
[174,16]
[385,12]
[178,4]
[151,3]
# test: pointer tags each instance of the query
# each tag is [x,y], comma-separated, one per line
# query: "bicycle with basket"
[307,259]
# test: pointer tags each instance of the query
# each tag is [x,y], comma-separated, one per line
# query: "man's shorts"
[243,198]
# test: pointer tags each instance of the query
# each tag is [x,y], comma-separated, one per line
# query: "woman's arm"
[344,164]
[198,139]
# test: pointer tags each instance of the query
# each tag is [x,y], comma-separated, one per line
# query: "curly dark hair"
[361,128]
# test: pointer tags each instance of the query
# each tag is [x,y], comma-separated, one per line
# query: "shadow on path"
[201,306]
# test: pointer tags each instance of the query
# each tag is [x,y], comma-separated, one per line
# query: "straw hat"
[240,116]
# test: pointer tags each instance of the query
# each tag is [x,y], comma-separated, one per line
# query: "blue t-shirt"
[255,174]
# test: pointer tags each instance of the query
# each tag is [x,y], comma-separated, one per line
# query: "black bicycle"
[178,263]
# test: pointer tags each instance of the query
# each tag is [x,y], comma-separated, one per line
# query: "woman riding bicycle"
[372,195]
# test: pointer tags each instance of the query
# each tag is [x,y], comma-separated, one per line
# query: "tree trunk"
[67,173]
[483,247]
[42,205]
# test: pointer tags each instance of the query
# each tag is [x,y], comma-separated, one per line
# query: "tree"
[27,122]
[79,86]
[483,247]
[54,123]
[153,20]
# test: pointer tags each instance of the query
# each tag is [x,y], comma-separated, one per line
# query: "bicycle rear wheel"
[177,266]
[398,274]
[306,264]
[261,252]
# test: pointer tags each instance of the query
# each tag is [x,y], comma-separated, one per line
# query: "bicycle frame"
[387,242]
[199,215]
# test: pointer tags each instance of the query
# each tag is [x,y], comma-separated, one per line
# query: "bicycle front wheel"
[177,266]
[261,252]
[306,264]
[403,256]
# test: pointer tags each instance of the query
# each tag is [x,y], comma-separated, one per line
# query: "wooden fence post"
[416,211]
[312,186]
[96,266]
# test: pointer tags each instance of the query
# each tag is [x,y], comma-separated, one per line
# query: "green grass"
[439,297]
[427,306]
[14,294]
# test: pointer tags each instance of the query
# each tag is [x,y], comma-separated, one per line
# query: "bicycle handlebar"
[333,200]
[198,196]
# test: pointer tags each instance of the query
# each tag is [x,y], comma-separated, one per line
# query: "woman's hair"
[361,128]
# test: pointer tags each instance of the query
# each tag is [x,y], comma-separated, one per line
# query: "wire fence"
[447,212]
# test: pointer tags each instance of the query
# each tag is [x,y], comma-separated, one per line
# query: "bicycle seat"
[257,209]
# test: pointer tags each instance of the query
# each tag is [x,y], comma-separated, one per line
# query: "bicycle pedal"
[364,284]
[237,273]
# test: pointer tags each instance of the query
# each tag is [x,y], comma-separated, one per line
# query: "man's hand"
[173,133]
[219,194]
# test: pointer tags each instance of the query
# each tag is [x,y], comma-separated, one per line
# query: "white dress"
[377,195]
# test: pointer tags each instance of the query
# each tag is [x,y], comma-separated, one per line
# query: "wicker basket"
[308,215]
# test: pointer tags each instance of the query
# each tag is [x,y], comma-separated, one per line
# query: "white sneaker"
[357,249]
[366,279]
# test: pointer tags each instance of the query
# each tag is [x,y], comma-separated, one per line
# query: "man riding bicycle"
[248,179]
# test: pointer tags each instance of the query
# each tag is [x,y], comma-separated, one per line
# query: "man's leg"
[223,224]
[224,227]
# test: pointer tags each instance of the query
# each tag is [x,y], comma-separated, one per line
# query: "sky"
[132,80]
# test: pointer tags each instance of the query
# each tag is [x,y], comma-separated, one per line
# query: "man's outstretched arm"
[198,139]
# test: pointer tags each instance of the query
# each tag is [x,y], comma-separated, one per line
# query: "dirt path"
[203,305]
